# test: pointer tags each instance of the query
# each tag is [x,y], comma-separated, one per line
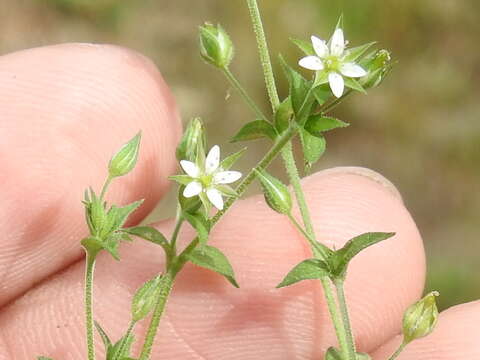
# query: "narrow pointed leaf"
[354,84]
[356,52]
[213,259]
[121,348]
[228,162]
[255,130]
[306,270]
[322,93]
[103,335]
[150,234]
[181,179]
[303,45]
[121,214]
[317,124]
[333,354]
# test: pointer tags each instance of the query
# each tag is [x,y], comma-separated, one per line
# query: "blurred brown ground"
[421,129]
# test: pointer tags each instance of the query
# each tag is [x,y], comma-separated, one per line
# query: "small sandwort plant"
[208,185]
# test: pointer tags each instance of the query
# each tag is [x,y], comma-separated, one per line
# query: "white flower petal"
[213,159]
[336,84]
[192,189]
[352,70]
[321,48]
[215,198]
[311,63]
[337,45]
[226,177]
[190,168]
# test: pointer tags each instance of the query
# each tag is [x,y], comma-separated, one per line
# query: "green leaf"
[126,158]
[354,84]
[333,354]
[181,179]
[255,130]
[106,340]
[123,345]
[200,224]
[228,162]
[111,245]
[276,193]
[322,93]
[313,148]
[150,234]
[299,89]
[283,115]
[213,259]
[317,124]
[356,52]
[306,270]
[145,298]
[341,258]
[303,45]
[120,214]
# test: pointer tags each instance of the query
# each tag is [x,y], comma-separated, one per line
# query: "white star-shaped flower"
[209,178]
[332,61]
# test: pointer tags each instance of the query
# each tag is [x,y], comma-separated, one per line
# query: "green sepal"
[318,124]
[150,234]
[322,93]
[306,270]
[313,148]
[339,24]
[207,205]
[253,130]
[126,158]
[283,115]
[194,133]
[200,224]
[226,190]
[341,258]
[228,162]
[354,84]
[276,193]
[305,46]
[181,179]
[145,298]
[299,89]
[213,259]
[356,52]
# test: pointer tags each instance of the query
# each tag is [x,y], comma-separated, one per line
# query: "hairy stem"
[236,84]
[398,351]
[176,231]
[264,54]
[165,289]
[124,343]
[105,186]
[90,266]
[350,354]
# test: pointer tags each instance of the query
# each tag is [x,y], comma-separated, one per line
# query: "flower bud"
[378,66]
[216,47]
[194,134]
[125,159]
[145,298]
[420,318]
[276,194]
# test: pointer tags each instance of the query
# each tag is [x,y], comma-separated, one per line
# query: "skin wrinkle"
[182,338]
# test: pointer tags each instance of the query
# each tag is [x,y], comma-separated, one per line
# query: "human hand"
[64,111]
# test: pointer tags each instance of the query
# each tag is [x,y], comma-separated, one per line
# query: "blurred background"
[420,129]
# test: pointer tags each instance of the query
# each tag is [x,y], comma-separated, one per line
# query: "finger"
[456,336]
[207,318]
[65,110]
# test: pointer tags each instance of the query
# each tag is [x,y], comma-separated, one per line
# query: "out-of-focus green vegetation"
[421,128]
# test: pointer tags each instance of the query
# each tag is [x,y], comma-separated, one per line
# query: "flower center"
[332,63]
[206,180]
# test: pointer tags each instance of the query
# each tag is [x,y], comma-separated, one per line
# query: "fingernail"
[369,174]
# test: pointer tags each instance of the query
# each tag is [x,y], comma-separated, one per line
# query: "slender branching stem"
[165,289]
[398,351]
[178,225]
[264,54]
[236,84]
[105,186]
[90,266]
[350,354]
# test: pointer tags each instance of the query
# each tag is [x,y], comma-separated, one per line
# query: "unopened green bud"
[276,194]
[145,299]
[216,46]
[420,318]
[126,158]
[378,66]
[194,134]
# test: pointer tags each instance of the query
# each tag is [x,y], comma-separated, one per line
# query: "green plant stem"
[121,348]
[398,351]
[105,186]
[90,266]
[351,351]
[236,84]
[176,231]
[264,54]
[165,289]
